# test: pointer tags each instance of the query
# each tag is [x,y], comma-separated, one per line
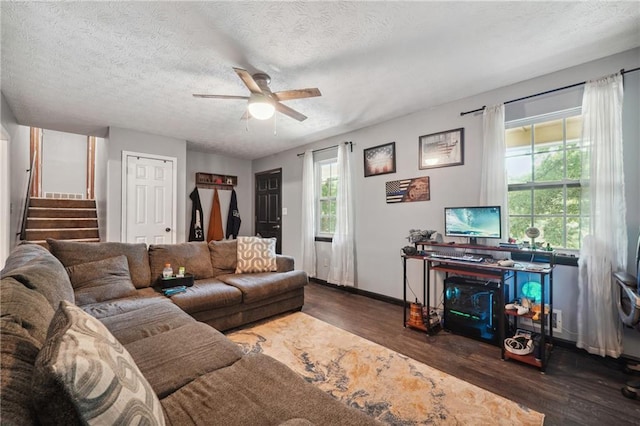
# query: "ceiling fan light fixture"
[261,107]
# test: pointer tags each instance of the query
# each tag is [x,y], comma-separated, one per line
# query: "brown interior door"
[268,206]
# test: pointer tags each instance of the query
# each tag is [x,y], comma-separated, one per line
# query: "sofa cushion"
[194,256]
[26,307]
[263,285]
[284,263]
[224,256]
[39,270]
[101,280]
[83,372]
[256,254]
[205,295]
[147,320]
[73,252]
[172,359]
[18,353]
[120,306]
[267,392]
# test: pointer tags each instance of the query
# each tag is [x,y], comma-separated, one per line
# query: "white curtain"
[493,179]
[604,250]
[342,268]
[308,215]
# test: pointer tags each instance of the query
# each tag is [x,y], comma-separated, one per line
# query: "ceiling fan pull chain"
[247,123]
[275,125]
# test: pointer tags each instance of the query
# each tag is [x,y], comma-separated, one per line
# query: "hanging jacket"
[196,231]
[215,232]
[233,218]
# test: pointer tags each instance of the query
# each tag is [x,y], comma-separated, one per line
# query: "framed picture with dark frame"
[380,160]
[442,149]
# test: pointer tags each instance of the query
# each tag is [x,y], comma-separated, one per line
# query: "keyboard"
[457,256]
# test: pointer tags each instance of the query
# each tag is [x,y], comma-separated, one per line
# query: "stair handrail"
[27,201]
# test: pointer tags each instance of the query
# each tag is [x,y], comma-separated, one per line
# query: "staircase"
[61,219]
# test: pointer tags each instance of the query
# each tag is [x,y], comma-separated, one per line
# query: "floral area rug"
[388,386]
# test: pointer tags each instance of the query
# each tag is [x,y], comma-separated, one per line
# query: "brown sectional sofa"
[197,374]
[219,297]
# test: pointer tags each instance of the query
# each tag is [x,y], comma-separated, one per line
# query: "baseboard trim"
[354,290]
[567,344]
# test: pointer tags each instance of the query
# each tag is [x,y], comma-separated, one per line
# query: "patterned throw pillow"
[84,375]
[256,254]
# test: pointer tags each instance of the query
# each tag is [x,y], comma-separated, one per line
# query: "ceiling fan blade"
[290,112]
[220,96]
[297,94]
[248,80]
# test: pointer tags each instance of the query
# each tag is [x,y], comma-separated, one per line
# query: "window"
[326,191]
[544,167]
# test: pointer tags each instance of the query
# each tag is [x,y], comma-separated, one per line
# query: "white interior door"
[5,214]
[149,204]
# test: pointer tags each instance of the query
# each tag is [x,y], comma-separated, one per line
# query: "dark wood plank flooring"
[577,388]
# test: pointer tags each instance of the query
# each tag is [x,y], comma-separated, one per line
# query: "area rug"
[388,386]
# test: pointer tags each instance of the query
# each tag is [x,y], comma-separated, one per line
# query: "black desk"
[491,271]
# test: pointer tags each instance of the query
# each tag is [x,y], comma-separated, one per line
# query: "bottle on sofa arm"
[167,272]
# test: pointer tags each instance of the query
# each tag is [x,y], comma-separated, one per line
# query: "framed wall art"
[408,190]
[441,149]
[380,160]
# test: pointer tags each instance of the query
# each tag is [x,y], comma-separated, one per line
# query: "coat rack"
[215,181]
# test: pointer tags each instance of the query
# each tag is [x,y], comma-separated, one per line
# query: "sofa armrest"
[285,263]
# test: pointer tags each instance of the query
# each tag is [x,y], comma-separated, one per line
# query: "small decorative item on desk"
[180,272]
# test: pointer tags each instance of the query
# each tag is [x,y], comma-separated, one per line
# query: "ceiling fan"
[262,101]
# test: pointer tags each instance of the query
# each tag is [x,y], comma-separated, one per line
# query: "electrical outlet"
[556,322]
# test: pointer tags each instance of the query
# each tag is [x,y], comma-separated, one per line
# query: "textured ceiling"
[84,66]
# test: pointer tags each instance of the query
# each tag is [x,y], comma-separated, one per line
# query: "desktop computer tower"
[472,307]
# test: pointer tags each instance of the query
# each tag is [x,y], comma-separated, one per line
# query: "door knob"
[167,229]
[276,226]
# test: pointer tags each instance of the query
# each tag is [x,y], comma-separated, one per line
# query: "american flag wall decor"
[408,190]
[380,160]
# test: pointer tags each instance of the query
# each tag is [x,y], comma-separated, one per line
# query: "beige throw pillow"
[84,375]
[256,254]
[101,280]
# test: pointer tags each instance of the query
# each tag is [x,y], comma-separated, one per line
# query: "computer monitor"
[473,222]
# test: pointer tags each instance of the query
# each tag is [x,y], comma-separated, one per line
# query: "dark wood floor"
[577,388]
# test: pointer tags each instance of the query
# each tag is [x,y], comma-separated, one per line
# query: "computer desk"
[491,271]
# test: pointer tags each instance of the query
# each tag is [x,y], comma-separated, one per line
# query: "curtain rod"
[622,71]
[330,147]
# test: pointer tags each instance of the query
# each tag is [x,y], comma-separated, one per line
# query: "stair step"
[56,223]
[60,202]
[50,212]
[61,233]
[44,244]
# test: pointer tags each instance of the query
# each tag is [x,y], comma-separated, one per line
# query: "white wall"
[18,174]
[100,188]
[130,140]
[200,162]
[64,163]
[5,197]
[381,229]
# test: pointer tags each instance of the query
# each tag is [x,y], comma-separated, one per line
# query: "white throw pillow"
[256,254]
